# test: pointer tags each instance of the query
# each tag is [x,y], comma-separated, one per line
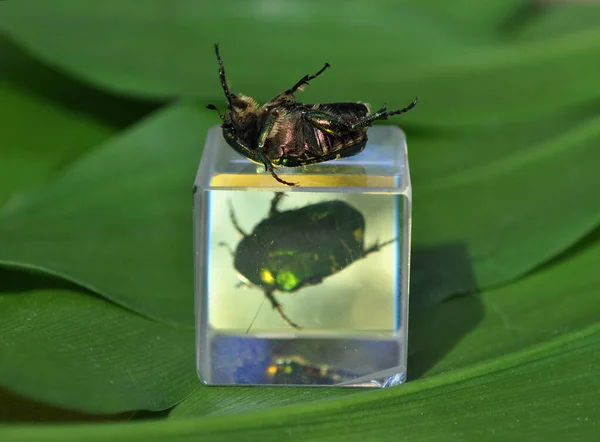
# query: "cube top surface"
[382,167]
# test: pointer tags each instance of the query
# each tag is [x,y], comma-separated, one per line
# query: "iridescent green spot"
[286,280]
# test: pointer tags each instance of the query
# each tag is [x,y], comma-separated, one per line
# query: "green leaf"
[507,197]
[119,221]
[212,401]
[48,121]
[15,408]
[532,20]
[492,202]
[456,64]
[559,299]
[77,351]
[65,93]
[38,137]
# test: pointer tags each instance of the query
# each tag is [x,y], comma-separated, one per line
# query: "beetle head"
[241,112]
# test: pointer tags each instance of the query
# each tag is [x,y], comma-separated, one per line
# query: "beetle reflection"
[292,249]
[296,370]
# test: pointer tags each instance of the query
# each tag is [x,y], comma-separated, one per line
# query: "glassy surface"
[307,286]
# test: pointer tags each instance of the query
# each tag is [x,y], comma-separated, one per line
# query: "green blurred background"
[102,125]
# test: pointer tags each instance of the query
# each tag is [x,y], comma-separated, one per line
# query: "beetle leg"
[275,202]
[234,221]
[277,306]
[335,125]
[269,168]
[287,183]
[381,114]
[266,129]
[304,81]
[263,135]
[224,84]
[377,246]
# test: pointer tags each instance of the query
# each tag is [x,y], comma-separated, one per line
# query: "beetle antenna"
[214,108]
[224,84]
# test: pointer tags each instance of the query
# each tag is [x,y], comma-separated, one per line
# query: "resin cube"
[303,285]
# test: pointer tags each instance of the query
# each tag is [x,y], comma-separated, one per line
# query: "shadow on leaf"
[437,323]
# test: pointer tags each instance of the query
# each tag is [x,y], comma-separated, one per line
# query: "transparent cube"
[330,256]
